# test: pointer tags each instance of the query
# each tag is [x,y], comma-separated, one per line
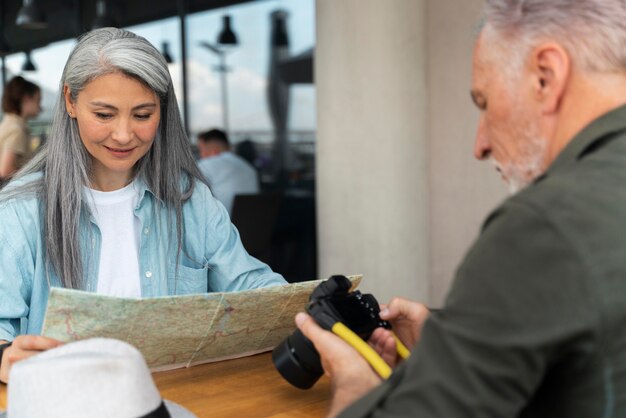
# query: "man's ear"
[551,69]
[69,104]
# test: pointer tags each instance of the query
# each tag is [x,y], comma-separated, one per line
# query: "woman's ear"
[69,104]
[551,68]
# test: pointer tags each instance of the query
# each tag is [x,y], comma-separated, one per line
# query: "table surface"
[245,387]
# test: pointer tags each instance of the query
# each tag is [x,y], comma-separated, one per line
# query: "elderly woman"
[114,203]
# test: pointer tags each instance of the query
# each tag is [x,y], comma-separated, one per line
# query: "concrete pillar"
[462,191]
[372,195]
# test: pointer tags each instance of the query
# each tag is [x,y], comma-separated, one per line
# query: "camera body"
[296,358]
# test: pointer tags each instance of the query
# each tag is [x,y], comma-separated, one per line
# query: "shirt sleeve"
[231,268]
[518,302]
[15,286]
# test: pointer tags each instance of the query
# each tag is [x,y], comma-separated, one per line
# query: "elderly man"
[535,323]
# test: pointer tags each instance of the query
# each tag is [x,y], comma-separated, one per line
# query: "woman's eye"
[103,116]
[143,116]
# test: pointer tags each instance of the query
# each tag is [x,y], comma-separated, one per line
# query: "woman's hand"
[24,346]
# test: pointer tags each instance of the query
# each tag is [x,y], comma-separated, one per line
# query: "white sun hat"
[95,378]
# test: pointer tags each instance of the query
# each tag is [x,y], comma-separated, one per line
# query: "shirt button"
[146,230]
[148,274]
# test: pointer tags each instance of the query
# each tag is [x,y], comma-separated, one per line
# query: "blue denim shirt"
[212,258]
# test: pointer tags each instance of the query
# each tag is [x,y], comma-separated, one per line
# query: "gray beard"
[519,175]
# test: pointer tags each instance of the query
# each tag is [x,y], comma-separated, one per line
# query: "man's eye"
[481,104]
[103,116]
[479,100]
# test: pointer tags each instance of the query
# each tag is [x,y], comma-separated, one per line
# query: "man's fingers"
[380,335]
[383,342]
[398,307]
[308,326]
[390,353]
[404,308]
[326,342]
[395,308]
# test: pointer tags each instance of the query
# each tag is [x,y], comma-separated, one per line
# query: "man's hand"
[406,318]
[24,346]
[351,376]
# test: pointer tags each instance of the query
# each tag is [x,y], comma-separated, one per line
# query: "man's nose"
[482,146]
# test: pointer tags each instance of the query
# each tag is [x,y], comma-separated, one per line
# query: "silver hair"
[592,31]
[168,169]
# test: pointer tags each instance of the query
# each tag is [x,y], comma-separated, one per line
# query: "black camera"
[296,358]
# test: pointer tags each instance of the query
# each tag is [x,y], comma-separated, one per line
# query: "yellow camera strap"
[368,353]
[401,348]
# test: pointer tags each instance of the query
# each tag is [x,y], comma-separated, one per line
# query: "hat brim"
[175,410]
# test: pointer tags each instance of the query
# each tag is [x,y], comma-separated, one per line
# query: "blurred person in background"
[247,150]
[227,173]
[21,100]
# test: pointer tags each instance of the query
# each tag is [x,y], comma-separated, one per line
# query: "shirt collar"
[606,125]
[143,189]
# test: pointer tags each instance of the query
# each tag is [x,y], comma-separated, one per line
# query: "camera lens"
[297,361]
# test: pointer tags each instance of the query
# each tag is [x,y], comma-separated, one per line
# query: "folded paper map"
[182,331]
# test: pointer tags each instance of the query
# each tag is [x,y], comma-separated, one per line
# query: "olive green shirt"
[535,322]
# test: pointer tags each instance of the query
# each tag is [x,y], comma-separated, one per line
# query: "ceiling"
[70,18]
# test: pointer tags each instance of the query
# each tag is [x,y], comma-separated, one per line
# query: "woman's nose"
[122,132]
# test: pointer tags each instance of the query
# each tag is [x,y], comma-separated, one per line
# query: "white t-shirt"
[118,272]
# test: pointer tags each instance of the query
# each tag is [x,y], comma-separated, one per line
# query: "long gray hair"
[168,169]
[592,31]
